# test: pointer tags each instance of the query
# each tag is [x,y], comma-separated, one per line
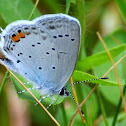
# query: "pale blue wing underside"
[48,54]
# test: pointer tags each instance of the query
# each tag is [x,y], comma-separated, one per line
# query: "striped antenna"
[103,78]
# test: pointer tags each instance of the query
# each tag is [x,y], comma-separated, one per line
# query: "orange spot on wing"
[27,33]
[15,38]
[22,35]
[18,35]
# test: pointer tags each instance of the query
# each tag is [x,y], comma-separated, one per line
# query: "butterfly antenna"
[77,104]
[103,78]
[54,100]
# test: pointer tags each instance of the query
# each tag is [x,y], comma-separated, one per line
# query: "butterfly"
[44,51]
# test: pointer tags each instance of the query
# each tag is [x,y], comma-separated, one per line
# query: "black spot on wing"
[18,61]
[60,36]
[67,35]
[72,39]
[47,52]
[40,68]
[53,68]
[53,48]
[33,45]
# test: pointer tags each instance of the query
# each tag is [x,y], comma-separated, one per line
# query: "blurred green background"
[106,16]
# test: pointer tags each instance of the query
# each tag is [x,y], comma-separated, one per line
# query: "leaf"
[113,41]
[27,96]
[81,76]
[99,58]
[122,7]
[12,10]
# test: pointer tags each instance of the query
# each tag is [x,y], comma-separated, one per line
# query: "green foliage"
[122,8]
[93,59]
[12,10]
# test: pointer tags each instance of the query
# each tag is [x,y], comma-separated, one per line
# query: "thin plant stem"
[74,93]
[37,1]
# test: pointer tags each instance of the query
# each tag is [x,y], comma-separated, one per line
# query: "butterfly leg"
[51,103]
[43,98]
[26,83]
[28,89]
